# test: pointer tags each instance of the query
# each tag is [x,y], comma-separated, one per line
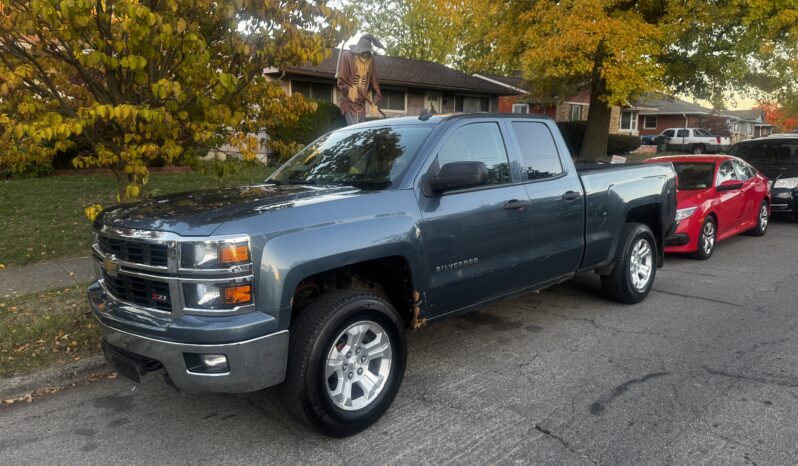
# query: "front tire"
[707,239]
[762,221]
[346,361]
[635,266]
[699,149]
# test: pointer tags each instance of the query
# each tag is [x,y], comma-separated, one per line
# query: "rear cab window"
[539,153]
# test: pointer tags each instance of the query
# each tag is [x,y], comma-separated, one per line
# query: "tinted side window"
[668,133]
[478,142]
[726,172]
[538,150]
[683,133]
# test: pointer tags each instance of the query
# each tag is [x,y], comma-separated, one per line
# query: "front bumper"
[783,201]
[254,364]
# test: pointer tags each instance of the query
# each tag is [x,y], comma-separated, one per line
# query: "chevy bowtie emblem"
[111,267]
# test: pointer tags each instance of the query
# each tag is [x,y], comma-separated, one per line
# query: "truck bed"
[615,190]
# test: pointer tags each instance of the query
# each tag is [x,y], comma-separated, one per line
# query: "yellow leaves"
[181,26]
[93,211]
[133,191]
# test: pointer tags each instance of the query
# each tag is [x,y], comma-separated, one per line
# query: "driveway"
[704,371]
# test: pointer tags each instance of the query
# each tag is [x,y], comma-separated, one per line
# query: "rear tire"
[327,385]
[699,149]
[762,221]
[635,266]
[707,239]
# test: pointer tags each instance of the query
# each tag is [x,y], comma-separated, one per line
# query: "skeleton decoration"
[357,78]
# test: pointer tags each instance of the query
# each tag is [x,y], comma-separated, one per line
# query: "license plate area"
[130,365]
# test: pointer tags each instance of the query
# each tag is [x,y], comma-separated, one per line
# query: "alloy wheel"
[763,217]
[641,264]
[358,365]
[708,237]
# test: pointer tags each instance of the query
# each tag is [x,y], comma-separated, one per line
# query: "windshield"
[768,154]
[694,175]
[368,157]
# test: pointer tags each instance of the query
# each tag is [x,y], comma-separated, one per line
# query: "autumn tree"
[783,119]
[416,29]
[131,81]
[620,49]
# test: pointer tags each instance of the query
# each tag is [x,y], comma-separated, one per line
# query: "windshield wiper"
[292,181]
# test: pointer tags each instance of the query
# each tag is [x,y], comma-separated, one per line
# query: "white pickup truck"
[694,140]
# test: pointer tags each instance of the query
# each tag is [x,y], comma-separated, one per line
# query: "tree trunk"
[594,145]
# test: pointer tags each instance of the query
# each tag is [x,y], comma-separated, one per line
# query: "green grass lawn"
[43,219]
[41,329]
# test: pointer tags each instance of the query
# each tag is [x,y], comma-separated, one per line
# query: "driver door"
[476,239]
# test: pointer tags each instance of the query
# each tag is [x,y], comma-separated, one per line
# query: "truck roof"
[442,117]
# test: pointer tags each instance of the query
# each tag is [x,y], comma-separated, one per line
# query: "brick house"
[408,86]
[623,120]
[670,112]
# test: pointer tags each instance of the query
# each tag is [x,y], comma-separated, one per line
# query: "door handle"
[571,196]
[514,204]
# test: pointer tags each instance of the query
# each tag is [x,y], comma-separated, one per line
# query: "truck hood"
[201,212]
[692,197]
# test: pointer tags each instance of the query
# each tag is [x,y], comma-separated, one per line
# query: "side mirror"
[458,175]
[730,185]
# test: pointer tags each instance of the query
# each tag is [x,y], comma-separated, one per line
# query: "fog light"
[214,362]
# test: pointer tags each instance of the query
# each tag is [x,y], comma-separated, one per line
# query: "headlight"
[216,297]
[214,254]
[786,183]
[682,214]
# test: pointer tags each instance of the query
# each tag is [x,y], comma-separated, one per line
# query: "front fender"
[287,259]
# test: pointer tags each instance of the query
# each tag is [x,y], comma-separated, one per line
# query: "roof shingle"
[405,72]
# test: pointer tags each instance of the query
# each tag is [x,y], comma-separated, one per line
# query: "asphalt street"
[705,371]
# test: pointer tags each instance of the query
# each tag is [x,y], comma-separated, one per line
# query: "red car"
[719,196]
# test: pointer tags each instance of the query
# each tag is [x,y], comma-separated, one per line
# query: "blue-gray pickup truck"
[310,280]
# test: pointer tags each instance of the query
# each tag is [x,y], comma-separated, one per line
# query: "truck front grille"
[136,290]
[138,252]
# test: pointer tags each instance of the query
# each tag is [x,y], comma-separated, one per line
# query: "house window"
[628,122]
[576,112]
[313,90]
[650,122]
[468,104]
[520,108]
[393,100]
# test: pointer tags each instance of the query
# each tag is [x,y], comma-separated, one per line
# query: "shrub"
[622,144]
[310,126]
[574,133]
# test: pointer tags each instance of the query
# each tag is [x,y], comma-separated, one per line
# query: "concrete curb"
[52,377]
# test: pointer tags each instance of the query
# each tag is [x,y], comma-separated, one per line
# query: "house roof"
[754,115]
[664,105]
[405,72]
[514,82]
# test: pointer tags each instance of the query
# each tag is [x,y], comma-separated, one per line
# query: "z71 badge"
[457,265]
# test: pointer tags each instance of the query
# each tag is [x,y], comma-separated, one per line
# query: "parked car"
[693,140]
[719,196]
[777,158]
[311,279]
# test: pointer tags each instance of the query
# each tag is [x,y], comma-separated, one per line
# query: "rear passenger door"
[749,204]
[731,202]
[556,212]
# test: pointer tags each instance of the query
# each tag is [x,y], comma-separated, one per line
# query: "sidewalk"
[43,276]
